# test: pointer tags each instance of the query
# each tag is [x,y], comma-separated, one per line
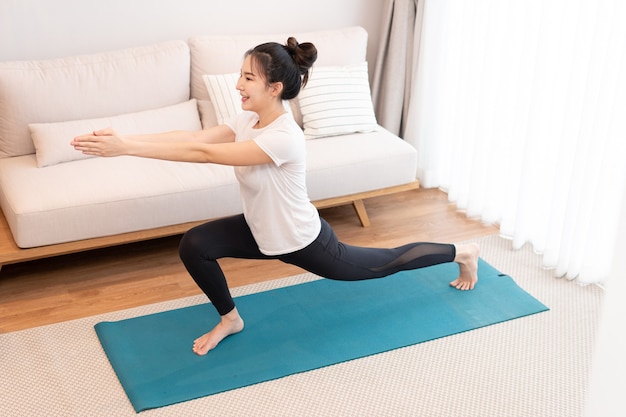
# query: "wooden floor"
[83,284]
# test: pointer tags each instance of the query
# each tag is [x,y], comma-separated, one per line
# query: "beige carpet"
[533,366]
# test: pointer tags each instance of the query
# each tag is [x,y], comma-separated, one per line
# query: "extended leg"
[332,259]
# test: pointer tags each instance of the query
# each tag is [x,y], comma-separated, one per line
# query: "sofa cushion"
[107,196]
[88,86]
[346,46]
[358,162]
[336,101]
[52,140]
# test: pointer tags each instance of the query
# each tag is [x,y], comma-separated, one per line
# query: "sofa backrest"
[224,55]
[88,86]
[138,79]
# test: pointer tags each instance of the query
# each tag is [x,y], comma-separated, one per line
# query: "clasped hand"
[103,142]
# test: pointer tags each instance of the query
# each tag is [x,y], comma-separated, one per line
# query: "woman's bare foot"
[467,258]
[231,323]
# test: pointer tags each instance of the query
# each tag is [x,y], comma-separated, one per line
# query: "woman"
[267,149]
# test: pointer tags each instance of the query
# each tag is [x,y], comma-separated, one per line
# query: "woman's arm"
[217,134]
[108,143]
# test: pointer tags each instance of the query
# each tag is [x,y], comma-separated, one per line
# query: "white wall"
[41,29]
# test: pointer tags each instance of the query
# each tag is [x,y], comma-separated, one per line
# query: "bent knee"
[190,245]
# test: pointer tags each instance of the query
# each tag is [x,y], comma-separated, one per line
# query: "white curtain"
[518,111]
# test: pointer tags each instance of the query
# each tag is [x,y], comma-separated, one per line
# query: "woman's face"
[256,94]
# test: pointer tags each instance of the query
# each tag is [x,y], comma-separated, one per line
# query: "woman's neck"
[268,116]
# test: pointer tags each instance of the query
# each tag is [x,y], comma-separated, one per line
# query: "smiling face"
[256,94]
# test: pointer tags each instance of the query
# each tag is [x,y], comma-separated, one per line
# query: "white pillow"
[336,101]
[226,99]
[223,94]
[52,140]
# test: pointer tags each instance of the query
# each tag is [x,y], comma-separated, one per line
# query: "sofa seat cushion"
[359,162]
[107,196]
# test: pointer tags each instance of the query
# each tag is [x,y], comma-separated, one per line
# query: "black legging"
[202,246]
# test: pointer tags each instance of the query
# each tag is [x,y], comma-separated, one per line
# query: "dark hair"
[288,64]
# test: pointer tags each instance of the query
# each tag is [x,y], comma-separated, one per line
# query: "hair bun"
[304,55]
[292,46]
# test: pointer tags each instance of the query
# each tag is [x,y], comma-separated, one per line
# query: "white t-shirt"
[274,196]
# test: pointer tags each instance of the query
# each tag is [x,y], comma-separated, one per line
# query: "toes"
[462,285]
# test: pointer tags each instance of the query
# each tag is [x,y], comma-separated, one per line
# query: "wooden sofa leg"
[359,207]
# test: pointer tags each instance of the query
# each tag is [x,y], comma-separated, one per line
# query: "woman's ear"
[276,88]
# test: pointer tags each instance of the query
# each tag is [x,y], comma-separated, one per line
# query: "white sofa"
[56,200]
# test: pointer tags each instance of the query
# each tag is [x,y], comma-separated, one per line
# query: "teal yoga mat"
[300,328]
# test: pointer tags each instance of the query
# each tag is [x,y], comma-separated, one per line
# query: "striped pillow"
[336,101]
[226,99]
[224,95]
